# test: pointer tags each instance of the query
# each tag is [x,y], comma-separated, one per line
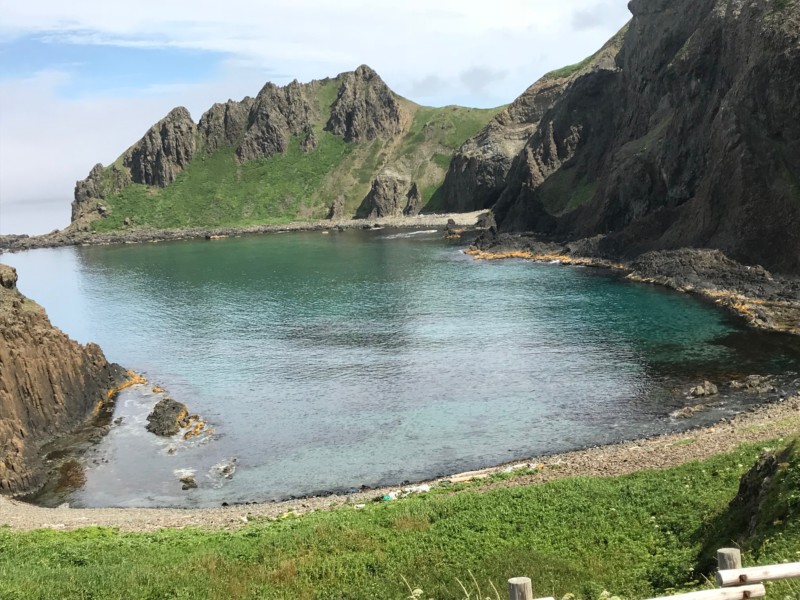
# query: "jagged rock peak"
[224,124]
[277,114]
[365,108]
[164,151]
[391,195]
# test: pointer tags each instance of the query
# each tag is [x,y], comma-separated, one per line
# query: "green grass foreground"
[637,536]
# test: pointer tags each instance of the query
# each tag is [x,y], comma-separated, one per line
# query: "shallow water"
[325,362]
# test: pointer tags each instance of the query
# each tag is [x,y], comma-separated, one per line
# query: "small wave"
[181,473]
[409,234]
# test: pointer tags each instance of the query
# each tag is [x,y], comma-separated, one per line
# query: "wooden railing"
[736,583]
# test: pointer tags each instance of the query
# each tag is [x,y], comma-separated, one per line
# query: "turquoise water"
[326,362]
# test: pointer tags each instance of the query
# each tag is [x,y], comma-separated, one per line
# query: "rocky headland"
[345,146]
[49,386]
[682,132]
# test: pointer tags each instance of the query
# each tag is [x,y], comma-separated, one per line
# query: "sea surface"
[328,362]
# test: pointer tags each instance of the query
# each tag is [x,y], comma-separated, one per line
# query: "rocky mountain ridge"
[49,385]
[356,107]
[684,134]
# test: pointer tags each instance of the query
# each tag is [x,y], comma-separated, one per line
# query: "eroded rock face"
[224,124]
[365,108]
[277,114]
[49,385]
[92,191]
[164,151]
[479,170]
[392,195]
[691,141]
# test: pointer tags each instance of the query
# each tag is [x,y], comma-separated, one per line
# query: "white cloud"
[433,55]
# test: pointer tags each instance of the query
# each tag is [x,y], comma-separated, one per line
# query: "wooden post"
[520,588]
[731,593]
[729,558]
[739,576]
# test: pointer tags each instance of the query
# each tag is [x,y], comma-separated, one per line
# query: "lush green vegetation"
[569,69]
[637,536]
[217,190]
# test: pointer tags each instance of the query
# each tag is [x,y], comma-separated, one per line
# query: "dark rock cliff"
[49,385]
[277,114]
[365,108]
[479,170]
[691,139]
[224,124]
[164,151]
[391,195]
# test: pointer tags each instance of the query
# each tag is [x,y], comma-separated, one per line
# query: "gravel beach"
[767,422]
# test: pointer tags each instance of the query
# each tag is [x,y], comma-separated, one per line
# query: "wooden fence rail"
[736,583]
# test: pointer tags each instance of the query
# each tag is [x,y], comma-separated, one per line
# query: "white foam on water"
[409,234]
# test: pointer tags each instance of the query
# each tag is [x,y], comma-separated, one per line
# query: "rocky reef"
[682,132]
[49,385]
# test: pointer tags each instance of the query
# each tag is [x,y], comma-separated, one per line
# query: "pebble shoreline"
[766,422]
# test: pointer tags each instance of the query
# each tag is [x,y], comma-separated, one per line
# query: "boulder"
[167,417]
[754,384]
[704,389]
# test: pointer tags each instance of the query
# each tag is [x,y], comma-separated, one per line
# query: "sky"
[81,81]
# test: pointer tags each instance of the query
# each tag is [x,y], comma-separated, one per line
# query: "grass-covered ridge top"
[281,156]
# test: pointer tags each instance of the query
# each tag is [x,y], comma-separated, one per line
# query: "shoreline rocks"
[50,386]
[764,300]
[71,236]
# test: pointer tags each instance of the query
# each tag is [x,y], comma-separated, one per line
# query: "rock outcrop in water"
[166,417]
[690,137]
[49,385]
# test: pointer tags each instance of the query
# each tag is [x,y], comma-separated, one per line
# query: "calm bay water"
[366,357]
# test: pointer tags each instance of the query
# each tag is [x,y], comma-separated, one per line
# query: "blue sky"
[80,81]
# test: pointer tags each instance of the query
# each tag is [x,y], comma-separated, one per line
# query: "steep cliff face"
[479,170]
[49,384]
[277,114]
[692,139]
[224,124]
[365,108]
[164,151]
[392,195]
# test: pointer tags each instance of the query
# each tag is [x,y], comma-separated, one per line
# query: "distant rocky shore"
[73,237]
[765,300]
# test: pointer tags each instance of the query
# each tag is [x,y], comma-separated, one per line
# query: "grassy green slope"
[216,190]
[638,536]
